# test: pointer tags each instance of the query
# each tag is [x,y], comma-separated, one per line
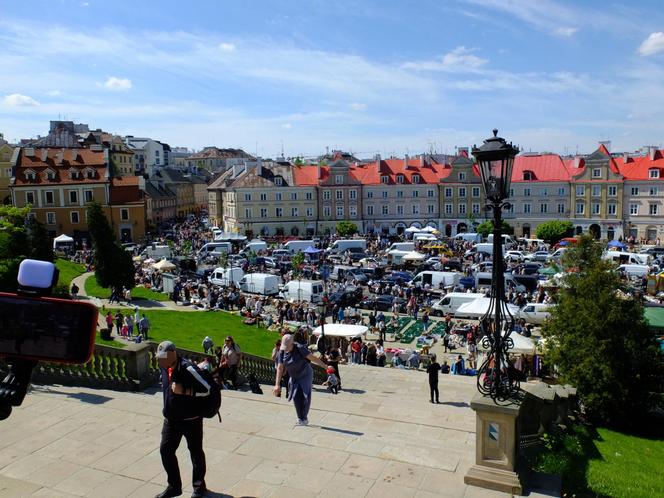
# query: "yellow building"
[6,153]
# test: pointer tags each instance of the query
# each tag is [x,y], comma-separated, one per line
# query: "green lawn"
[113,342]
[607,463]
[68,271]
[187,330]
[92,288]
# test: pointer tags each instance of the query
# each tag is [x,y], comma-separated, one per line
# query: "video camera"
[34,327]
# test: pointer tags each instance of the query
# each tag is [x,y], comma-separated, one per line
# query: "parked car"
[535,313]
[515,256]
[399,276]
[382,303]
[542,256]
[527,268]
[346,298]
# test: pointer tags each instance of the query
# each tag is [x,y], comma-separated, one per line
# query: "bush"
[553,231]
[346,228]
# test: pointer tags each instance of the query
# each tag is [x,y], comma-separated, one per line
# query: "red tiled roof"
[125,190]
[430,173]
[638,168]
[544,168]
[61,161]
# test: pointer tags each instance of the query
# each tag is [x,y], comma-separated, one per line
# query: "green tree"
[553,231]
[297,261]
[346,228]
[13,244]
[41,245]
[486,227]
[599,341]
[113,265]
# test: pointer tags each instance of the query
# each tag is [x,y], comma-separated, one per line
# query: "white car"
[433,260]
[515,256]
[541,256]
[535,313]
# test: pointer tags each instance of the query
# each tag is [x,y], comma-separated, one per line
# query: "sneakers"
[169,493]
[302,422]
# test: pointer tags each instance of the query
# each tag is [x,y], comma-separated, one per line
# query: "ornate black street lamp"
[495,378]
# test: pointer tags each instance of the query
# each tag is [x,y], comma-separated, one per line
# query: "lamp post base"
[505,481]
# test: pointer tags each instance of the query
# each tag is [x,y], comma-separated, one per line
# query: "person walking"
[231,361]
[74,291]
[295,359]
[180,383]
[144,327]
[432,370]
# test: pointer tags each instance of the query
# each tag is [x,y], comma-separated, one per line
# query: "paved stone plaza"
[380,437]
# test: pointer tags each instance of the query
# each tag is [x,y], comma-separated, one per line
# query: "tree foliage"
[113,265]
[297,262]
[486,227]
[346,228]
[553,231]
[599,340]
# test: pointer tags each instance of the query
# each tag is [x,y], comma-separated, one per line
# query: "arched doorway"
[462,228]
[651,233]
[448,230]
[400,228]
[526,230]
[610,234]
[416,224]
[578,230]
[595,231]
[295,231]
[433,224]
[265,231]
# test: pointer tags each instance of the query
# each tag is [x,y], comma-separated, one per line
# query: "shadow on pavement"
[458,404]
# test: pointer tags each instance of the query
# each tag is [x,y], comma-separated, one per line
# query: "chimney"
[29,152]
[462,151]
[44,155]
[405,161]
[319,171]
[377,159]
[626,157]
[577,162]
[652,151]
[259,167]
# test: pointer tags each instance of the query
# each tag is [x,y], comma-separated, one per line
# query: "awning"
[342,330]
[164,265]
[478,307]
[522,345]
[414,256]
[655,316]
[62,239]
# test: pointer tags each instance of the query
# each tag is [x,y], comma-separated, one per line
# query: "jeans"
[171,435]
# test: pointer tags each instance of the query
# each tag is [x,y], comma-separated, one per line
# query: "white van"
[635,270]
[342,273]
[484,247]
[484,279]
[294,246]
[303,290]
[157,252]
[215,249]
[621,257]
[256,246]
[342,245]
[260,283]
[535,313]
[508,241]
[468,237]
[558,254]
[435,278]
[401,246]
[451,302]
[227,276]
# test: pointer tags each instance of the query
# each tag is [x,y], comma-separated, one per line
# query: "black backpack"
[208,406]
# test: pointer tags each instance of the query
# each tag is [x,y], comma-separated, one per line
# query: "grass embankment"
[92,288]
[68,271]
[606,463]
[112,342]
[187,330]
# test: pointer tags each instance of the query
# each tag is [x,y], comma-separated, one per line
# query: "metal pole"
[498,291]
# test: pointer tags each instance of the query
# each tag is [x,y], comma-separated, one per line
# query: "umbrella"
[429,229]
[312,250]
[617,243]
[164,265]
[414,256]
[342,330]
[413,230]
[563,243]
[522,345]
[478,307]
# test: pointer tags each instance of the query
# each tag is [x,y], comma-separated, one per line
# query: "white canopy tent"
[342,330]
[478,308]
[429,229]
[414,256]
[164,265]
[413,230]
[61,240]
[522,345]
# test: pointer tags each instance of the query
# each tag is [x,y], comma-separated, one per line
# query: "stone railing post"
[138,366]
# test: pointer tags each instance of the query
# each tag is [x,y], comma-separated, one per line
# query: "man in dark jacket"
[181,383]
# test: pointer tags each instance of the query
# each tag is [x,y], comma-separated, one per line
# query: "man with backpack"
[186,401]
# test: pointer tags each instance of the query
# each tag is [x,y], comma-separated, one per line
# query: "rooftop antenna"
[282,148]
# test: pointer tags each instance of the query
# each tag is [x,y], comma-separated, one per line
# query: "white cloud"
[358,106]
[566,32]
[459,60]
[54,93]
[227,47]
[286,126]
[652,45]
[19,100]
[117,84]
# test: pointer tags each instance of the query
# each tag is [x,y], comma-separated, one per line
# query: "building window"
[597,190]
[293,196]
[339,194]
[416,178]
[277,196]
[247,197]
[653,173]
[399,209]
[653,209]
[431,208]
[50,218]
[87,195]
[544,208]
[416,193]
[73,216]
[370,211]
[399,194]
[528,175]
[580,208]
[462,192]
[611,209]
[400,178]
[384,179]
[124,214]
[49,198]
[386,209]
[278,212]
[310,212]
[448,208]
[561,208]
[308,196]
[595,208]
[369,195]
[248,214]
[448,192]
[338,179]
[653,191]
[352,211]
[263,212]
[580,190]
[476,209]
[326,195]
[561,191]
[294,212]
[635,190]
[430,193]
[544,192]
[476,192]
[511,192]
[278,181]
[597,172]
[612,190]
[526,209]
[462,209]
[416,209]
[73,196]
[634,209]
[384,194]
[526,192]
[50,175]
[340,212]
[352,194]
[263,196]
[462,176]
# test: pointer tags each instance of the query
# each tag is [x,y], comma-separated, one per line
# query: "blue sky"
[367,76]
